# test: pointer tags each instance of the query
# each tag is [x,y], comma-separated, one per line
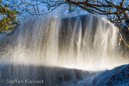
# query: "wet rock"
[118,76]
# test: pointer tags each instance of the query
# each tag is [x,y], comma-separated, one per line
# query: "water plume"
[39,47]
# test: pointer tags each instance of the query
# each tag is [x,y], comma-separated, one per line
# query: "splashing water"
[40,47]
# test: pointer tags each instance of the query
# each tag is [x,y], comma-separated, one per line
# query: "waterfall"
[56,50]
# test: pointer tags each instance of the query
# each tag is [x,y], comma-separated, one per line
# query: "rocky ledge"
[118,76]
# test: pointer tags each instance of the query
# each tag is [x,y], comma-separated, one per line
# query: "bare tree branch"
[97,8]
[115,12]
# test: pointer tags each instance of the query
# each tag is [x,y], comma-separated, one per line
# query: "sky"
[26,8]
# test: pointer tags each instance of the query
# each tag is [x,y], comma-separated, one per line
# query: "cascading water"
[55,50]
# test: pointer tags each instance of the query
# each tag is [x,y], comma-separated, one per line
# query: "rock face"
[124,31]
[127,22]
[118,76]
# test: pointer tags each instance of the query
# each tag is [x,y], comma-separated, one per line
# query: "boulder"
[118,76]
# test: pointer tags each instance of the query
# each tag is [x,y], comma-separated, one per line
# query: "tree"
[8,18]
[115,10]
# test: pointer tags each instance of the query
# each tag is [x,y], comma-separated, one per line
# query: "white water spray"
[86,42]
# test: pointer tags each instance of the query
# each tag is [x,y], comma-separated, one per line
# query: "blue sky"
[41,8]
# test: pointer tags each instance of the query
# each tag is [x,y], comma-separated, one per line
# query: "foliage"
[9,20]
